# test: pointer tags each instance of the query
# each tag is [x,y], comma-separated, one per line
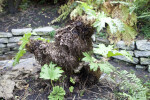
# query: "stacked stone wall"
[139,49]
[9,41]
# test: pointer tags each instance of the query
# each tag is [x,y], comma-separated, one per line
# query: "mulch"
[34,16]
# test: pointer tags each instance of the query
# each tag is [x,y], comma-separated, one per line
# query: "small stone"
[46,37]
[34,37]
[3,50]
[43,31]
[3,40]
[12,45]
[6,88]
[145,61]
[15,48]
[142,53]
[10,53]
[148,68]
[122,45]
[5,34]
[131,53]
[102,40]
[143,45]
[21,31]
[135,60]
[14,39]
[140,67]
[2,45]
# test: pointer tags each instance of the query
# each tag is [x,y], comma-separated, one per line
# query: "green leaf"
[71,88]
[126,54]
[109,52]
[113,53]
[57,93]
[103,50]
[72,80]
[106,67]
[94,66]
[51,72]
[22,51]
[87,58]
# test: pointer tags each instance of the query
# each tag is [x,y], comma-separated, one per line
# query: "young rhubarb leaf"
[57,93]
[51,72]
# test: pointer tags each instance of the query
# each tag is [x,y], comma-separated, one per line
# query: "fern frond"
[64,11]
[22,51]
[131,85]
[76,12]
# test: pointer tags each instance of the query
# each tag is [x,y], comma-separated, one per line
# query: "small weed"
[71,88]
[52,34]
[82,92]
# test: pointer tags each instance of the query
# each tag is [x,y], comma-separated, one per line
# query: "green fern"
[64,11]
[22,51]
[131,86]
[76,12]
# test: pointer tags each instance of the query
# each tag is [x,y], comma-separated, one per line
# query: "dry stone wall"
[9,40]
[140,50]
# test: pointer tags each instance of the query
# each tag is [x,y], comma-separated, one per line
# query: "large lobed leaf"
[51,72]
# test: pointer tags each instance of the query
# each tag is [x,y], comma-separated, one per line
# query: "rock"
[142,53]
[131,53]
[3,40]
[145,61]
[93,37]
[148,68]
[10,53]
[135,60]
[140,67]
[102,40]
[43,31]
[12,45]
[15,49]
[15,76]
[2,50]
[6,88]
[21,31]
[47,37]
[27,64]
[143,45]
[34,37]
[2,45]
[122,45]
[5,34]
[14,39]
[5,62]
